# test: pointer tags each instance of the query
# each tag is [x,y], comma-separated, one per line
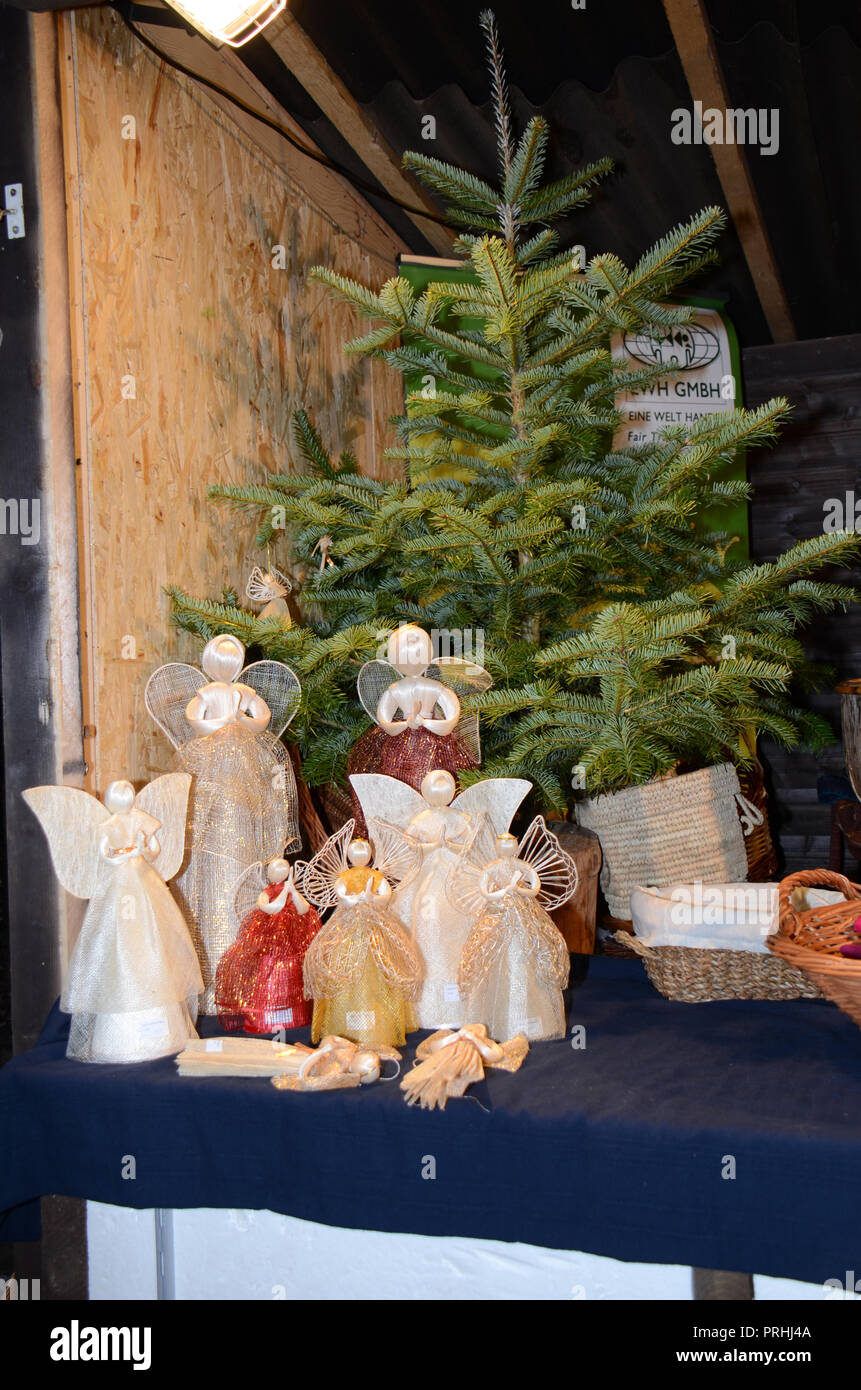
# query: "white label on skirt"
[360,1019]
[153,1028]
[450,994]
[276,1018]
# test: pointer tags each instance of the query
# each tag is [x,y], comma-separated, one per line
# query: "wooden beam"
[329,191]
[301,57]
[695,44]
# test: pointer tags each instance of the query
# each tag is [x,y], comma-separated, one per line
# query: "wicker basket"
[811,940]
[691,976]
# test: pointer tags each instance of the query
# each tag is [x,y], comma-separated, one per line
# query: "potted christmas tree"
[624,640]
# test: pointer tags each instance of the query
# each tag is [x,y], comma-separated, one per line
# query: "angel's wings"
[386,799]
[541,850]
[264,585]
[166,798]
[374,678]
[279,686]
[247,890]
[495,797]
[396,857]
[319,874]
[461,885]
[167,694]
[71,820]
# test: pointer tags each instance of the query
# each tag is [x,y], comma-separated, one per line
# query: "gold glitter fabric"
[362,971]
[242,810]
[409,757]
[513,969]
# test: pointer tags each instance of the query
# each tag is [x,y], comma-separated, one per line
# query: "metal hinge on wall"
[13,210]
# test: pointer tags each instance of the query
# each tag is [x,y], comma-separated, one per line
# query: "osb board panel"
[183,306]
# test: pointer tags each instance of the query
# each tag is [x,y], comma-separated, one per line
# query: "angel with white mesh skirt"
[133,978]
[226,722]
[515,963]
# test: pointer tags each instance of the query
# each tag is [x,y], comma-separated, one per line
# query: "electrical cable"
[360,184]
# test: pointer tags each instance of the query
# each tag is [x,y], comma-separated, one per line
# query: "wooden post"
[576,920]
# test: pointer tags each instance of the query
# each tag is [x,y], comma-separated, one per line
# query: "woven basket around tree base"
[671,830]
[810,941]
[692,976]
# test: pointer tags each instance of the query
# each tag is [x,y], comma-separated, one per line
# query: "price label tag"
[214,1044]
[450,993]
[153,1028]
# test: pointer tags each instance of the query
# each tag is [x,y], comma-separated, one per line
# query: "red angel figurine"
[258,983]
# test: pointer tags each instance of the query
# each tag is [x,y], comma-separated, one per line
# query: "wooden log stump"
[576,919]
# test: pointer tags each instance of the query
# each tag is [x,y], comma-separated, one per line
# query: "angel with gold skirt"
[415,703]
[226,722]
[133,977]
[258,983]
[515,962]
[361,969]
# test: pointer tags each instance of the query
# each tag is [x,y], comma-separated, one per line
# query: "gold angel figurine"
[515,962]
[415,703]
[226,723]
[133,977]
[361,969]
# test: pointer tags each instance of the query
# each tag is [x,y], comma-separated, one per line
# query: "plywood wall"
[191,349]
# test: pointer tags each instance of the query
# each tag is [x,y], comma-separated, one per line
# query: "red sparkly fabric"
[258,983]
[409,757]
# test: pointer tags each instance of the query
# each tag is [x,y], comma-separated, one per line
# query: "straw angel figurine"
[515,962]
[133,978]
[226,723]
[361,969]
[258,983]
[439,825]
[270,587]
[415,704]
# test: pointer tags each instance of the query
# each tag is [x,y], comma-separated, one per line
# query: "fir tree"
[602,600]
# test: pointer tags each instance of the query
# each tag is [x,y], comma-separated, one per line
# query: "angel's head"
[223,657]
[119,798]
[359,853]
[506,846]
[438,787]
[410,649]
[277,870]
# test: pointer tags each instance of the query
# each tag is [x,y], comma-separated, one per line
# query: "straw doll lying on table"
[515,962]
[361,969]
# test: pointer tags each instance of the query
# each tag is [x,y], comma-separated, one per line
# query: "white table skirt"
[211,1253]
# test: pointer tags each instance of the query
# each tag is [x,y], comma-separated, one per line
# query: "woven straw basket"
[672,830]
[692,976]
[810,941]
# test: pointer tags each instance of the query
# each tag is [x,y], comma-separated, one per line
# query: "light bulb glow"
[229,21]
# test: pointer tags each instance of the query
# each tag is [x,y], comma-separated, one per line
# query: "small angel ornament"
[258,982]
[416,705]
[133,977]
[515,962]
[269,587]
[226,723]
[361,969]
[440,826]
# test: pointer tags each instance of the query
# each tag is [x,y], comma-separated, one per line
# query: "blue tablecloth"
[620,1147]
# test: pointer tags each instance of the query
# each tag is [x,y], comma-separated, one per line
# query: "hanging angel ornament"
[515,962]
[416,706]
[258,981]
[269,587]
[439,825]
[133,977]
[361,969]
[226,723]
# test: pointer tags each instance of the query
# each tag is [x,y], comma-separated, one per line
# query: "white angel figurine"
[361,968]
[515,962]
[269,587]
[226,722]
[133,978]
[440,825]
[415,704]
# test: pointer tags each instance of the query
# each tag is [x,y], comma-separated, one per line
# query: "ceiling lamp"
[228,21]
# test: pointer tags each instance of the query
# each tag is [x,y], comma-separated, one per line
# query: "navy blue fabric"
[617,1148]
